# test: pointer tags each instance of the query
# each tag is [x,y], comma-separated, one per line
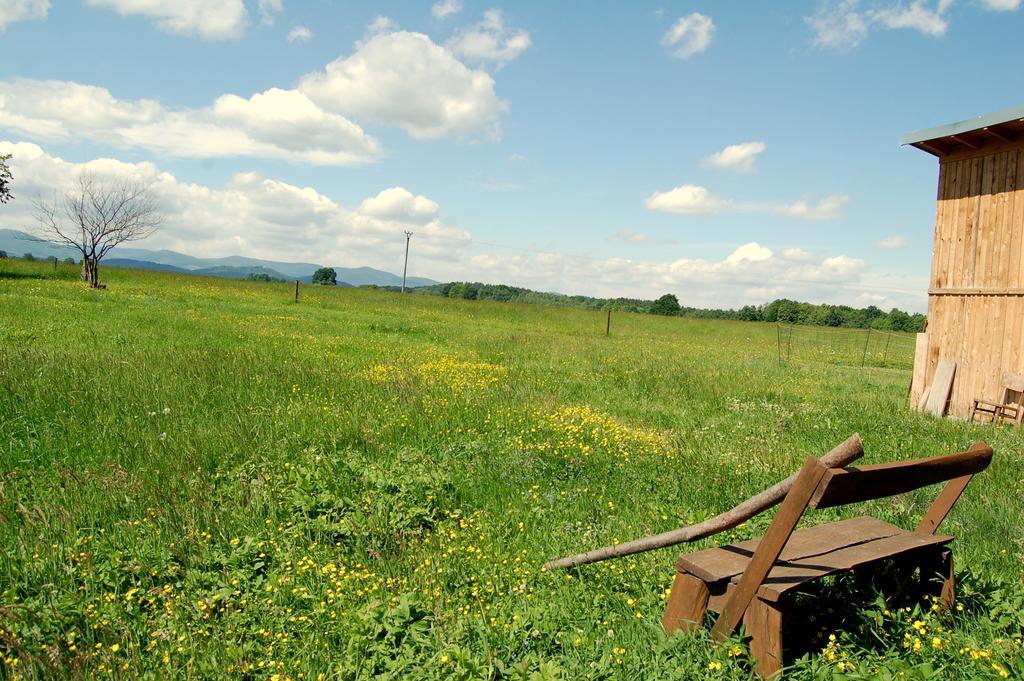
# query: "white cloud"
[207,19]
[401,78]
[892,243]
[268,11]
[752,252]
[266,218]
[1001,5]
[628,236]
[826,209]
[844,25]
[739,157]
[22,10]
[380,25]
[696,200]
[689,36]
[399,204]
[407,80]
[275,124]
[797,254]
[490,40]
[251,215]
[446,8]
[917,16]
[841,26]
[300,34]
[687,198]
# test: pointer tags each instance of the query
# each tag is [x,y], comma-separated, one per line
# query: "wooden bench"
[1009,407]
[752,581]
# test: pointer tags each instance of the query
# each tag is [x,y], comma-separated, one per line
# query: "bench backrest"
[841,486]
[1013,388]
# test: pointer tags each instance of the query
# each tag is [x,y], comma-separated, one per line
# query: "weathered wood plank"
[724,562]
[942,383]
[841,486]
[789,576]
[917,384]
[686,605]
[770,547]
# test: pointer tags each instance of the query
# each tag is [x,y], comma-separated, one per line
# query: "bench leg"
[939,565]
[764,624]
[686,604]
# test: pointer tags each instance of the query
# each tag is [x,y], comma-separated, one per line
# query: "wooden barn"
[976,294]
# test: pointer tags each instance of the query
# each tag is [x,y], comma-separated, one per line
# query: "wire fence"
[848,347]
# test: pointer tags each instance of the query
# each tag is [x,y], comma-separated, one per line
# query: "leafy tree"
[28,257]
[3,254]
[97,215]
[749,313]
[325,276]
[5,179]
[833,317]
[668,304]
[69,261]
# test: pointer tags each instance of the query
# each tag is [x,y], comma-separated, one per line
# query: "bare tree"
[5,179]
[97,215]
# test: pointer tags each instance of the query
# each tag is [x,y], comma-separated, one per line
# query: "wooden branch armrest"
[997,405]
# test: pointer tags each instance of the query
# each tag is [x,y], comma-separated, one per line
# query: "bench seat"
[811,553]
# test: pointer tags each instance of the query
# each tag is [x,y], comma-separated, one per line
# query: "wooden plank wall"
[979,236]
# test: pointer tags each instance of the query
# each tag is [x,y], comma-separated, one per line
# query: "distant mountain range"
[232,267]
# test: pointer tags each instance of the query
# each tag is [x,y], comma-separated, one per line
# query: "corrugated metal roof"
[961,127]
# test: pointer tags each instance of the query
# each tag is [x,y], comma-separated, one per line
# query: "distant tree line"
[783,310]
[28,257]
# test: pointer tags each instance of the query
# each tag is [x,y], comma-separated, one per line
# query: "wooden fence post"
[864,354]
[608,325]
[296,290]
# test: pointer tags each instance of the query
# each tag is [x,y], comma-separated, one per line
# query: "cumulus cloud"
[22,10]
[892,243]
[752,252]
[393,78]
[696,200]
[490,40]
[843,25]
[277,123]
[381,24]
[739,157]
[915,16]
[825,209]
[689,36]
[300,34]
[251,215]
[751,274]
[268,11]
[206,19]
[407,80]
[686,198]
[399,204]
[446,8]
[261,217]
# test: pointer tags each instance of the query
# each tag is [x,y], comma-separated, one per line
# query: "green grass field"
[200,478]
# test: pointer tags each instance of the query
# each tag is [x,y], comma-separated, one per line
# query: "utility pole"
[405,267]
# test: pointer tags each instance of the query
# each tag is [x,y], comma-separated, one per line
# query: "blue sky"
[730,153]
